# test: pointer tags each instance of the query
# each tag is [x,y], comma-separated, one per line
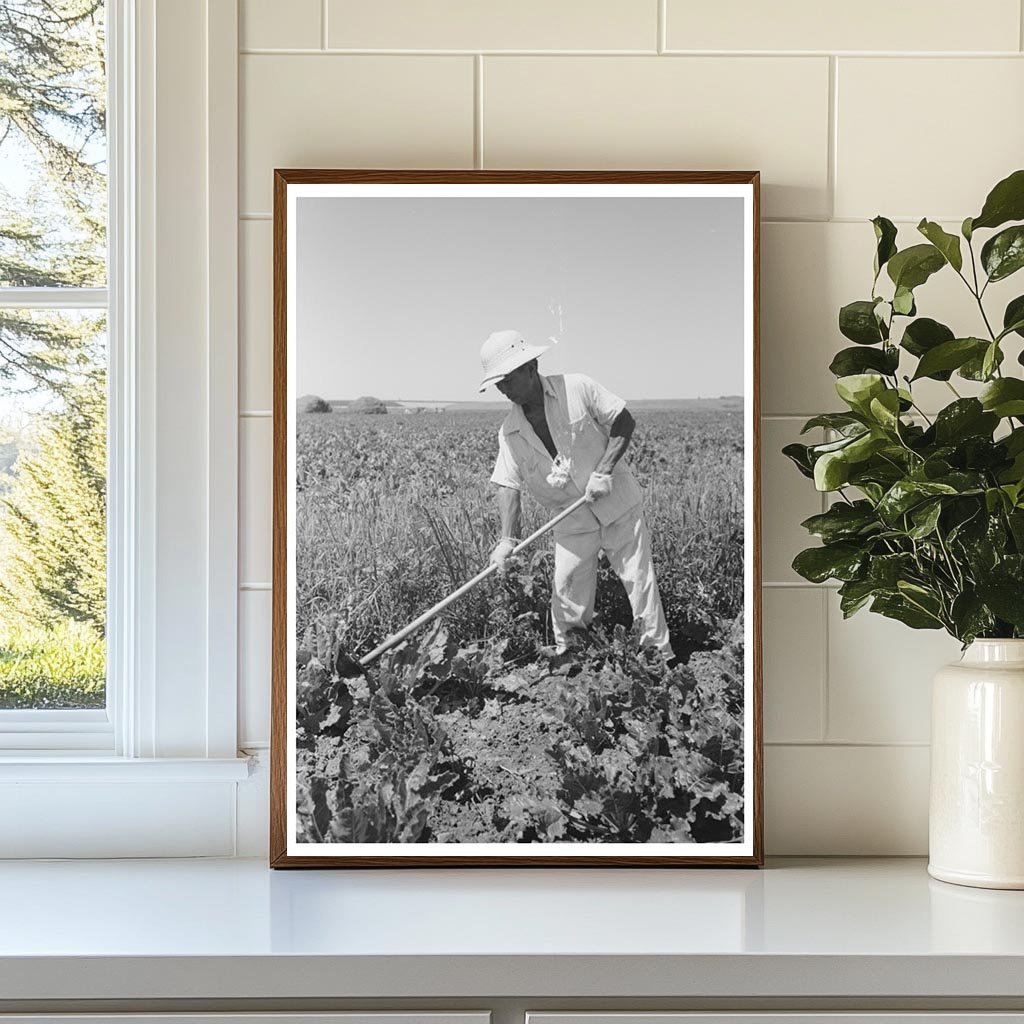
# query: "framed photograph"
[516,614]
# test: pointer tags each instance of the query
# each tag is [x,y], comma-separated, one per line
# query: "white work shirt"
[580,413]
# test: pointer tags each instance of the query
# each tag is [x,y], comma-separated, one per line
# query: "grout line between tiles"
[255,414]
[323,24]
[856,744]
[1020,22]
[662,26]
[913,221]
[341,51]
[478,111]
[254,586]
[800,585]
[833,134]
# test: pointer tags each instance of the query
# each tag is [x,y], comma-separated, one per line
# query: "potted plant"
[927,521]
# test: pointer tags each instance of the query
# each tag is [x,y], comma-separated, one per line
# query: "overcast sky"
[395,296]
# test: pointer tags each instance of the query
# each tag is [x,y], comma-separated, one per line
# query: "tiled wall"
[906,109]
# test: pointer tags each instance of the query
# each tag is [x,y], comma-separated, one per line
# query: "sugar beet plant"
[928,521]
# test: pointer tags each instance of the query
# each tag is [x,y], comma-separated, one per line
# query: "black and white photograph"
[515,550]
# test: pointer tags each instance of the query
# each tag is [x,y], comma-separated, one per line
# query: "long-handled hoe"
[394,641]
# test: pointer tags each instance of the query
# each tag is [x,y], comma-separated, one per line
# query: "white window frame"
[56,731]
[170,729]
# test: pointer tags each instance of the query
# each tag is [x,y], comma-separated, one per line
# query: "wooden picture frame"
[324,819]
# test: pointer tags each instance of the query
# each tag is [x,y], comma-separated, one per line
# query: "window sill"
[76,766]
[26,733]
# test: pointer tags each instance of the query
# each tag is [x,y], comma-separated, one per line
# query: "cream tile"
[808,271]
[849,801]
[255,316]
[868,25]
[963,126]
[794,663]
[252,819]
[254,610]
[255,514]
[880,676]
[644,112]
[356,111]
[505,25]
[271,24]
[803,284]
[787,498]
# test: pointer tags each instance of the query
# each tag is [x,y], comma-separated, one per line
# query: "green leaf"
[855,594]
[949,355]
[966,417]
[818,450]
[903,302]
[831,471]
[842,521]
[1005,202]
[885,237]
[923,335]
[1004,397]
[849,361]
[1003,254]
[1014,441]
[799,455]
[885,409]
[1005,596]
[858,389]
[990,361]
[887,570]
[963,482]
[925,518]
[974,368]
[1015,492]
[897,607]
[912,267]
[906,494]
[1015,519]
[841,561]
[1013,317]
[970,617]
[841,421]
[866,445]
[857,321]
[965,229]
[994,499]
[947,244]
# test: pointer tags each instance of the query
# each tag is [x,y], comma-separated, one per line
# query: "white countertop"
[232,928]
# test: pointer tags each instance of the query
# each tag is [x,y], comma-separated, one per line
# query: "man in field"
[564,439]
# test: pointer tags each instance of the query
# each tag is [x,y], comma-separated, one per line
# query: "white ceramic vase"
[976,813]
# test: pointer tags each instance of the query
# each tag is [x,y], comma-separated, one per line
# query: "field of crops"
[476,731]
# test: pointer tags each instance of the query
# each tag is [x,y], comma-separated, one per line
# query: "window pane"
[52,509]
[53,147]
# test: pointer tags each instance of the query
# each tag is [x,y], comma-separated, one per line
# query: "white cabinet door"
[361,1017]
[783,1017]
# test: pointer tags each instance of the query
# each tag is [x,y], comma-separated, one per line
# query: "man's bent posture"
[564,439]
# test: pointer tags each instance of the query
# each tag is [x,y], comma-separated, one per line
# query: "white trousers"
[627,545]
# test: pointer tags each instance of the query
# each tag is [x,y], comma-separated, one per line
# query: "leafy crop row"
[623,749]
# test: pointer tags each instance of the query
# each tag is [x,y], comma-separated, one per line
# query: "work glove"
[598,486]
[502,551]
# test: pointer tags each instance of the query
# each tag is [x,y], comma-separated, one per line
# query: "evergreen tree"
[52,124]
[53,234]
[53,519]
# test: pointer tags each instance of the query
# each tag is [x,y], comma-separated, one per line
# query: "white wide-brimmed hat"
[502,352]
